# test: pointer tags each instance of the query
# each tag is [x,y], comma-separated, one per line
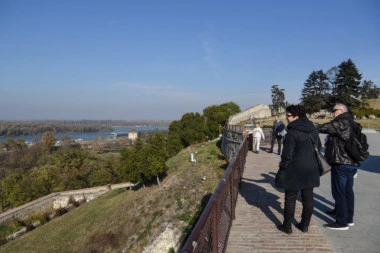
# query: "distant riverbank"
[90,135]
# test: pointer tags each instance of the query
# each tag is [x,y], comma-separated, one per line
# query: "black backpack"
[357,148]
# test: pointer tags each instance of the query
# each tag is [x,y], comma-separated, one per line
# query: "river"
[90,135]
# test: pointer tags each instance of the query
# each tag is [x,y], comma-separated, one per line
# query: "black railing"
[211,232]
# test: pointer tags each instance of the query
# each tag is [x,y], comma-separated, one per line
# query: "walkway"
[260,207]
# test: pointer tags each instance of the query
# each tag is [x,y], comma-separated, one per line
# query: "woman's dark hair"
[296,110]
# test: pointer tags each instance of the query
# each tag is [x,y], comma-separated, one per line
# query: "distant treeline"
[19,128]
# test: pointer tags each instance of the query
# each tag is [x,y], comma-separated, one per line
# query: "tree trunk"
[158,181]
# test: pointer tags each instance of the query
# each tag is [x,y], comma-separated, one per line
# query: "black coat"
[340,131]
[298,156]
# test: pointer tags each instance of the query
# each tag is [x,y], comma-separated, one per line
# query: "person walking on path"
[340,131]
[257,135]
[275,134]
[299,170]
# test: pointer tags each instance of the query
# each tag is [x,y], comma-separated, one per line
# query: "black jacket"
[298,157]
[340,131]
[276,124]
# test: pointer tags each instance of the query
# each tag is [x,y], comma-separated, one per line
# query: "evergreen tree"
[370,90]
[347,84]
[315,91]
[278,98]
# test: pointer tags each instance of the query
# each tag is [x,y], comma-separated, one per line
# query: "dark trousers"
[274,137]
[342,188]
[290,206]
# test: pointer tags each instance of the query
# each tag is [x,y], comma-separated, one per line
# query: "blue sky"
[162,59]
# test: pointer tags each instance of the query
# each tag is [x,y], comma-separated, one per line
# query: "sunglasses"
[334,110]
[289,115]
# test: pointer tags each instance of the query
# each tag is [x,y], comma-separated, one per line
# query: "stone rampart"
[254,112]
[231,141]
[56,200]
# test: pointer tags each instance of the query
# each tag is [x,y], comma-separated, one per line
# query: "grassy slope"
[129,220]
[374,103]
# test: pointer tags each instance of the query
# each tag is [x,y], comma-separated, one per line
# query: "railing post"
[233,193]
[215,234]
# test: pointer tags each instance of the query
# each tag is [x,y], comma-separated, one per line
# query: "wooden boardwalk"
[259,209]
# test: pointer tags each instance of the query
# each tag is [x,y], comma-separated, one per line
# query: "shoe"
[302,228]
[270,151]
[356,175]
[350,224]
[331,212]
[335,226]
[284,229]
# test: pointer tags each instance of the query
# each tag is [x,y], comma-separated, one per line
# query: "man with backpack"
[278,126]
[342,149]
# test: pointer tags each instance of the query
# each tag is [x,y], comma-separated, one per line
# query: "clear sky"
[76,59]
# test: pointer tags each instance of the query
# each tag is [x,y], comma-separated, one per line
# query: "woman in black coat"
[299,167]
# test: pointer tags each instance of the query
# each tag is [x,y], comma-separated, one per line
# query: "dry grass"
[128,220]
[374,103]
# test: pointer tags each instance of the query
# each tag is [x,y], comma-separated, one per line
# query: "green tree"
[158,155]
[216,117]
[126,172]
[370,90]
[278,98]
[347,84]
[315,91]
[99,176]
[73,167]
[48,139]
[42,181]
[13,188]
[138,163]
[193,129]
[174,138]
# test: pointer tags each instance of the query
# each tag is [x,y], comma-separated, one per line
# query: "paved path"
[260,207]
[364,237]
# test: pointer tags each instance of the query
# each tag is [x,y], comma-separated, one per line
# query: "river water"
[90,135]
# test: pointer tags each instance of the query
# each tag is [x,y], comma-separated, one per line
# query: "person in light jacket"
[299,166]
[257,135]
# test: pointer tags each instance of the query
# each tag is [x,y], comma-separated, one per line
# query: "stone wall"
[56,200]
[230,142]
[169,238]
[256,111]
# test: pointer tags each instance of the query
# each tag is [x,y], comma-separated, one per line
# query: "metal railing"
[211,232]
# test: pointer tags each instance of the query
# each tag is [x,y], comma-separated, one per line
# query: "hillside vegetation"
[128,220]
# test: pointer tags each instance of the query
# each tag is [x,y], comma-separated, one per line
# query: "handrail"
[211,232]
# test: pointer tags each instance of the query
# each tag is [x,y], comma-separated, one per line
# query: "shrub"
[360,112]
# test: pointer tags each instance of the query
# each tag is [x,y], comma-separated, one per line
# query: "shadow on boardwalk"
[259,209]
[321,204]
[259,197]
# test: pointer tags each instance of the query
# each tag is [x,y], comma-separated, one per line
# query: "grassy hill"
[374,103]
[128,220]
